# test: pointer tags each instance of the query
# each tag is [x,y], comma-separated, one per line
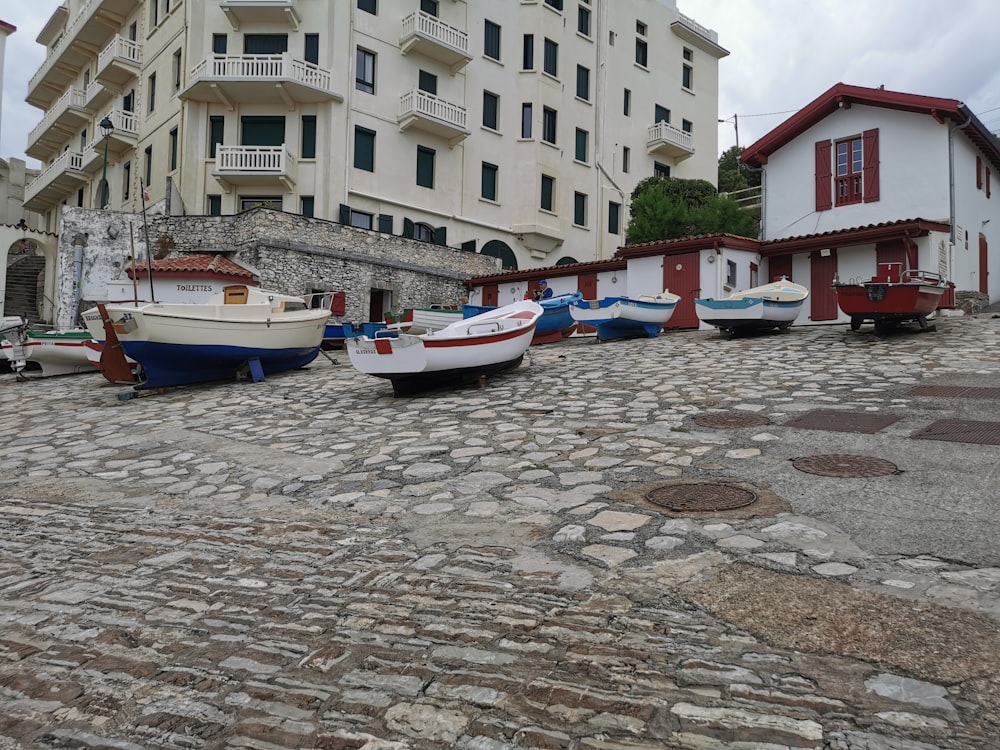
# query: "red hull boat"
[893,296]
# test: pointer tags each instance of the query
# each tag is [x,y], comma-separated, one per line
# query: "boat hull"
[888,304]
[623,317]
[47,354]
[747,314]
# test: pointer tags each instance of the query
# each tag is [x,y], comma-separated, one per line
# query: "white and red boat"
[892,296]
[464,351]
[42,353]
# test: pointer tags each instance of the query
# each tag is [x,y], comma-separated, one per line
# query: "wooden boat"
[41,353]
[556,322]
[464,351]
[892,297]
[423,319]
[626,317]
[773,305]
[240,329]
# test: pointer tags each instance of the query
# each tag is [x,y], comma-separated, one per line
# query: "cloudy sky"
[783,54]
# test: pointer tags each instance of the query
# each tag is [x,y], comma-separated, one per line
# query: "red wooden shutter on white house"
[869,169]
[824,176]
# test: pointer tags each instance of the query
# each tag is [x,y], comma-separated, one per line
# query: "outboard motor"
[15,331]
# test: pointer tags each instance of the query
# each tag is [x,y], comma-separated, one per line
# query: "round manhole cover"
[700,497]
[836,465]
[731,420]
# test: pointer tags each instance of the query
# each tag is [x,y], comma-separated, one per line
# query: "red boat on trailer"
[894,296]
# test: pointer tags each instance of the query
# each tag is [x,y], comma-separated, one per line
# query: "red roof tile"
[193,264]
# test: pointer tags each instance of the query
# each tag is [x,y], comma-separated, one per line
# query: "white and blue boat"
[626,317]
[774,305]
[556,322]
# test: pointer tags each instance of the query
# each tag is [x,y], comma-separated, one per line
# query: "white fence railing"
[424,104]
[73,97]
[427,25]
[667,133]
[272,159]
[67,161]
[263,67]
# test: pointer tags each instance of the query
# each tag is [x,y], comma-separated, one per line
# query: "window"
[216,132]
[307,205]
[583,21]
[640,44]
[626,159]
[154,13]
[549,125]
[128,101]
[265,44]
[148,165]
[427,82]
[687,77]
[364,149]
[365,74]
[126,180]
[628,103]
[686,126]
[731,272]
[214,205]
[526,120]
[489,190]
[430,7]
[361,220]
[491,105]
[660,170]
[583,82]
[368,6]
[310,49]
[151,88]
[178,71]
[262,130]
[218,44]
[491,41]
[246,202]
[173,148]
[688,54]
[580,209]
[308,137]
[425,166]
[581,145]
[548,192]
[849,163]
[550,63]
[528,56]
[423,232]
[557,4]
[661,114]
[614,217]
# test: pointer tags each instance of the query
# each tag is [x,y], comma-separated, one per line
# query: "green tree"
[733,174]
[664,208]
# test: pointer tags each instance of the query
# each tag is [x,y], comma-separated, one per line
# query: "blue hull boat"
[555,324]
[626,317]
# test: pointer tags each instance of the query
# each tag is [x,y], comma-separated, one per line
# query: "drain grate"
[954,391]
[841,465]
[961,431]
[731,419]
[835,420]
[700,497]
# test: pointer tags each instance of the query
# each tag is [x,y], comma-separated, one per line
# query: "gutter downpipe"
[951,184]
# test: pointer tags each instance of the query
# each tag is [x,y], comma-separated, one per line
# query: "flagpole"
[149,250]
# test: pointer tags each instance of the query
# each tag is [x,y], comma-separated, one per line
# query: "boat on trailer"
[774,305]
[626,317]
[892,297]
[465,351]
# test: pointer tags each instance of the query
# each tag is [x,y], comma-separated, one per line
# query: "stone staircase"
[25,276]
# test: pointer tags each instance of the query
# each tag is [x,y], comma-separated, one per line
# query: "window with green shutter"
[581,145]
[364,149]
[308,137]
[489,190]
[548,192]
[491,105]
[425,166]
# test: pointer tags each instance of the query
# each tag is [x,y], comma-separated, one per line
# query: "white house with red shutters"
[862,176]
[858,177]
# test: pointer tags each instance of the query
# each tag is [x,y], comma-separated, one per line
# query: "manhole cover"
[836,420]
[954,391]
[961,431]
[700,497]
[839,465]
[731,420]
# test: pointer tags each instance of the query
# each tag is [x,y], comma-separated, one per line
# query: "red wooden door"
[587,284]
[778,266]
[984,266]
[491,295]
[821,291]
[682,275]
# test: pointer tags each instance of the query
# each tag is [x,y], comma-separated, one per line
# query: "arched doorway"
[24,281]
[500,249]
[566,261]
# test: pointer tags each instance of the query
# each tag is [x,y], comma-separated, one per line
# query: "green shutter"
[441,236]
[385,223]
[469,247]
[345,214]
[308,137]
[407,228]
[364,149]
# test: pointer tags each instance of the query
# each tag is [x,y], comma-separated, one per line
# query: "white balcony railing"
[119,48]
[72,98]
[422,104]
[428,26]
[68,161]
[258,159]
[263,67]
[663,133]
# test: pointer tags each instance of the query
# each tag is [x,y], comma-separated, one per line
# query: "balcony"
[55,183]
[97,96]
[259,79]
[255,166]
[539,239]
[124,138]
[423,111]
[271,12]
[93,27]
[698,36]
[65,116]
[118,63]
[426,35]
[663,138]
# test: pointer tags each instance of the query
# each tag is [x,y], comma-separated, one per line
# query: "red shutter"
[870,166]
[338,305]
[824,176]
[979,173]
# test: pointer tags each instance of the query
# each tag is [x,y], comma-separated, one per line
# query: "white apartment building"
[514,128]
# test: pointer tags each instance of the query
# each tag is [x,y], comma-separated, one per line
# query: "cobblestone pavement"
[311,562]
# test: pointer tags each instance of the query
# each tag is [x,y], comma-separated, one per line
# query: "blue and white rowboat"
[774,305]
[626,317]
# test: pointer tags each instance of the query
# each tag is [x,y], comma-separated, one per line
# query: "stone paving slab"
[311,562]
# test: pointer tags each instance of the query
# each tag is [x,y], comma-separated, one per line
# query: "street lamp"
[107,128]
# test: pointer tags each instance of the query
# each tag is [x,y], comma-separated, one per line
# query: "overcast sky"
[783,54]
